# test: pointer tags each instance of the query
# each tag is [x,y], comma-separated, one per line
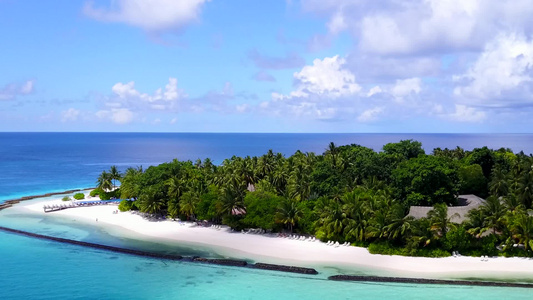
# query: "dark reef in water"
[427,281]
[282,268]
[93,245]
[222,262]
[216,261]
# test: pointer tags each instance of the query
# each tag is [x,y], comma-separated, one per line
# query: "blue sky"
[266,66]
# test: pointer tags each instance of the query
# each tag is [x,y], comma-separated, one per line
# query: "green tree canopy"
[426,180]
[472,180]
[405,149]
[261,209]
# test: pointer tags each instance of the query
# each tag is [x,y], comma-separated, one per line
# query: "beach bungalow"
[457,214]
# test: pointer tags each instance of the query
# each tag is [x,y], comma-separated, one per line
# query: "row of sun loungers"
[337,244]
[456,254]
[55,207]
[297,237]
[254,231]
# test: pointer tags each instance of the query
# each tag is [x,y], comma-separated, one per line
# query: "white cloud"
[405,87]
[326,78]
[337,23]
[126,95]
[464,113]
[150,15]
[171,90]
[421,26]
[373,91]
[118,115]
[405,55]
[370,114]
[27,87]
[321,89]
[327,90]
[502,75]
[173,121]
[127,101]
[12,90]
[70,114]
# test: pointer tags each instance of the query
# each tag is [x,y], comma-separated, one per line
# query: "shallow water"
[37,269]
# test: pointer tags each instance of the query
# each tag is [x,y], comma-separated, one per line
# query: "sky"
[410,66]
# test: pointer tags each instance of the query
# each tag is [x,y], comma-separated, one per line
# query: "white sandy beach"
[270,249]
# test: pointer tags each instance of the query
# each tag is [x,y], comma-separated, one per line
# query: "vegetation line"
[349,194]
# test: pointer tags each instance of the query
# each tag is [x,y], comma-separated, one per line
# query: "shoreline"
[222,262]
[270,267]
[270,249]
[11,202]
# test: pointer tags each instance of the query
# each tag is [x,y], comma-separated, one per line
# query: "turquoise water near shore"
[34,163]
[37,269]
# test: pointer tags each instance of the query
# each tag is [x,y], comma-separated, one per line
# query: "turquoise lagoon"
[33,163]
[37,269]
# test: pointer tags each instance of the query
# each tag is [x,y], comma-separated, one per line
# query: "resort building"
[456,213]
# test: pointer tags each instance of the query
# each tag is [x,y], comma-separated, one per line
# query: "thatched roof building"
[466,203]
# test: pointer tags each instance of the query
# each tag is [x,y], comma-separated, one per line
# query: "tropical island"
[349,195]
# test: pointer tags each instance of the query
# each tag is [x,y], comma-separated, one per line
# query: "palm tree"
[104,181]
[299,182]
[152,201]
[522,228]
[440,222]
[266,164]
[378,225]
[332,152]
[229,203]
[175,187]
[494,211]
[188,204]
[400,225]
[332,218]
[511,202]
[279,178]
[288,213]
[356,212]
[524,190]
[498,186]
[173,207]
[115,174]
[476,222]
[130,185]
[422,234]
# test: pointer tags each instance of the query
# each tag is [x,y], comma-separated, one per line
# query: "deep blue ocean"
[36,163]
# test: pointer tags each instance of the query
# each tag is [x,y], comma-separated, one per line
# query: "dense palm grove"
[349,194]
